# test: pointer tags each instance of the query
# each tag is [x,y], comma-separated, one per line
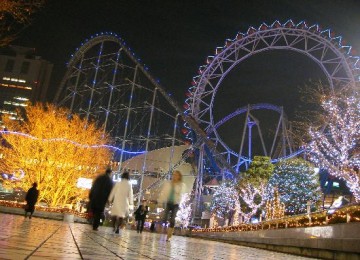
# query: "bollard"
[68,218]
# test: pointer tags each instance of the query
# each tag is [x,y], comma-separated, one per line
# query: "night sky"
[173,38]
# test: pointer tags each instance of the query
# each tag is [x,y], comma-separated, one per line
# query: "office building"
[24,78]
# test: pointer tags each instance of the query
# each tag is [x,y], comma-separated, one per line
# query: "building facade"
[24,78]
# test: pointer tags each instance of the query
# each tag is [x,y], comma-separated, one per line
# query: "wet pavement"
[38,238]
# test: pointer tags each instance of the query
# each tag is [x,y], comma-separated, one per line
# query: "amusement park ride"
[107,84]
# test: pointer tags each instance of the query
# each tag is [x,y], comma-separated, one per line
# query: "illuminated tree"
[53,151]
[297,183]
[274,208]
[224,200]
[252,186]
[184,213]
[14,16]
[237,212]
[335,146]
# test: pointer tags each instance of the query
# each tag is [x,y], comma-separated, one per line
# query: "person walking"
[152,226]
[171,196]
[122,200]
[31,199]
[98,195]
[140,216]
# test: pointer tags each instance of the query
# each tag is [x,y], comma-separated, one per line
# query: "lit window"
[15,104]
[21,98]
[14,79]
[15,86]
[7,112]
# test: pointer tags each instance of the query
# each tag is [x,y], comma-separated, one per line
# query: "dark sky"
[174,38]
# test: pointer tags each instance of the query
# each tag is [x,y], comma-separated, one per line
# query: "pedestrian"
[122,201]
[140,216]
[152,226]
[99,193]
[31,199]
[170,195]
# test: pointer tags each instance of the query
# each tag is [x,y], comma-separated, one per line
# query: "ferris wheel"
[328,51]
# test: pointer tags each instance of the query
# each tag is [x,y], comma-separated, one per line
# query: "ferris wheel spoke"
[314,49]
[297,42]
[334,60]
[324,53]
[323,47]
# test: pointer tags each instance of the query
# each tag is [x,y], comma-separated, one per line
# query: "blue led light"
[328,35]
[70,141]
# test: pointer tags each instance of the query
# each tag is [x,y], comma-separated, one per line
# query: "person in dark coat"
[152,226]
[98,196]
[140,216]
[31,199]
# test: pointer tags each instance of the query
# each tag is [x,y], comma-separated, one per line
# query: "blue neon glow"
[336,41]
[60,139]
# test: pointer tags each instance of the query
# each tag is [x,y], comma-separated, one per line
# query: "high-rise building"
[24,78]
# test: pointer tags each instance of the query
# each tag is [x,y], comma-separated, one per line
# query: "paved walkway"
[37,238]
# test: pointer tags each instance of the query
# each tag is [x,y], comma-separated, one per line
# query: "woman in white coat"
[171,196]
[121,197]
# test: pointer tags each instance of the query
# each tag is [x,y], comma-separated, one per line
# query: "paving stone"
[50,239]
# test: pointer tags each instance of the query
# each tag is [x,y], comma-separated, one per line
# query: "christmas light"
[60,139]
[297,183]
[15,204]
[343,215]
[224,201]
[252,186]
[335,147]
[55,165]
[236,214]
[274,208]
[184,213]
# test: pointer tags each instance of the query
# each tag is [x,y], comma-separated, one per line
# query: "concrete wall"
[339,241]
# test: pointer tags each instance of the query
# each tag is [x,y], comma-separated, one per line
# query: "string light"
[336,148]
[343,215]
[69,141]
[252,187]
[184,213]
[224,201]
[253,198]
[297,183]
[236,214]
[274,208]
[14,204]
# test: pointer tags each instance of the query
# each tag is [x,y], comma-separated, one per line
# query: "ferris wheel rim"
[348,63]
[201,79]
